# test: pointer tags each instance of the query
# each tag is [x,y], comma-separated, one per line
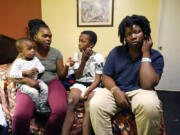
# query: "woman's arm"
[63,70]
[30,82]
[120,96]
[108,82]
[148,77]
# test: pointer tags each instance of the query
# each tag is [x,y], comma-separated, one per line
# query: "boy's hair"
[129,21]
[20,44]
[34,25]
[92,36]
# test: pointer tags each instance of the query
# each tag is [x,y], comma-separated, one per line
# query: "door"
[168,43]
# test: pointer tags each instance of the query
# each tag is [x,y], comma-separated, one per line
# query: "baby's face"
[84,42]
[29,50]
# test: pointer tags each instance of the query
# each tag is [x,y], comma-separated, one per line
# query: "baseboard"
[168,90]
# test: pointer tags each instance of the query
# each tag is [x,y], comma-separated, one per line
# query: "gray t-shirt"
[50,65]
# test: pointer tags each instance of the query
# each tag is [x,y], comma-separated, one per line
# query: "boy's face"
[29,50]
[84,42]
[134,36]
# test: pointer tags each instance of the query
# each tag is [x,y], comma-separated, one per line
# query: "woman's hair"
[129,21]
[92,36]
[34,25]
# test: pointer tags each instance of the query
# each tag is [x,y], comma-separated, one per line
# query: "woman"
[51,58]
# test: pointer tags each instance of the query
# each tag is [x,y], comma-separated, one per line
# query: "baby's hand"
[31,72]
[34,70]
[70,62]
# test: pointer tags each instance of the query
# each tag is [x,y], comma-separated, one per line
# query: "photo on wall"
[93,13]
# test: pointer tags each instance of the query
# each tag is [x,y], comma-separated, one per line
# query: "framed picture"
[94,13]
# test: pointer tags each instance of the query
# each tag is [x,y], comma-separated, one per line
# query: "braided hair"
[34,25]
[129,21]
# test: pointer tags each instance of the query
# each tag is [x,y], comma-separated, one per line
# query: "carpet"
[171,108]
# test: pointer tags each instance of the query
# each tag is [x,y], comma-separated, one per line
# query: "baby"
[27,65]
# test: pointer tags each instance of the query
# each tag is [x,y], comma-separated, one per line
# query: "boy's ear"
[92,45]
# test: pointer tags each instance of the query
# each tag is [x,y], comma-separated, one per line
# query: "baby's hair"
[34,25]
[92,36]
[129,21]
[20,44]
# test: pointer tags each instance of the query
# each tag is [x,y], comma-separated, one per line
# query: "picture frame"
[95,13]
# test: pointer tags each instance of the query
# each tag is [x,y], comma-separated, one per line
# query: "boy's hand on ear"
[87,53]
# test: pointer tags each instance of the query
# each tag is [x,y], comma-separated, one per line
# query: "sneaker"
[43,109]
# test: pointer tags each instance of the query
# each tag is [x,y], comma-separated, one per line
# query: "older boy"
[88,70]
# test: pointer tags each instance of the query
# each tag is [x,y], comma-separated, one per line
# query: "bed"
[123,123]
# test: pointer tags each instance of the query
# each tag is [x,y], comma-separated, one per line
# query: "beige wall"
[62,19]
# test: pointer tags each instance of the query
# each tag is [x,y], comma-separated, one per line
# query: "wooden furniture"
[8,50]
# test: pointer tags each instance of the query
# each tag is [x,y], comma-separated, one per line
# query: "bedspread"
[123,123]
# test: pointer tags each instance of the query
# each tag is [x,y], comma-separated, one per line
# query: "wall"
[62,19]
[15,15]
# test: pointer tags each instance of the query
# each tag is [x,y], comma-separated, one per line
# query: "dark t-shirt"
[125,71]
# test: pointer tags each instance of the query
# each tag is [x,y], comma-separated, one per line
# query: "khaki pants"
[144,104]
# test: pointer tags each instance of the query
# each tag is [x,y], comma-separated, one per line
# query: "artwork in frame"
[94,13]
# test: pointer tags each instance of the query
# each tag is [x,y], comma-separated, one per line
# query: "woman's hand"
[31,82]
[121,98]
[147,45]
[70,62]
